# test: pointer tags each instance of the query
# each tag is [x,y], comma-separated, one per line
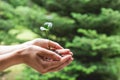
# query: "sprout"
[46,26]
[43,29]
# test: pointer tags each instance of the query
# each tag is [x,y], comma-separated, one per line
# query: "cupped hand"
[33,56]
[41,54]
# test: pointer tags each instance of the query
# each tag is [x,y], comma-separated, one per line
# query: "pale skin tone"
[35,54]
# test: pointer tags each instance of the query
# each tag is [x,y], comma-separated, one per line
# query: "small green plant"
[46,28]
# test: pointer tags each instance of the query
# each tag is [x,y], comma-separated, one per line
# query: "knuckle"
[56,43]
[36,40]
[68,50]
[31,47]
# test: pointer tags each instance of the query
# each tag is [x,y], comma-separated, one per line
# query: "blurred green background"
[90,28]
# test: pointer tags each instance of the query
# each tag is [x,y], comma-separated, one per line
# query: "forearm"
[7,49]
[9,59]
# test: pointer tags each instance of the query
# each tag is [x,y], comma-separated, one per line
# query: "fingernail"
[72,59]
[69,56]
[68,50]
[71,53]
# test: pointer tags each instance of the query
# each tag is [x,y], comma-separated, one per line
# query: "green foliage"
[78,6]
[105,22]
[90,28]
[95,49]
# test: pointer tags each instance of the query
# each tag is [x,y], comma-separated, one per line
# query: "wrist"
[9,59]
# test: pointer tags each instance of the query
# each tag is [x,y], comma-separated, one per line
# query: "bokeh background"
[90,28]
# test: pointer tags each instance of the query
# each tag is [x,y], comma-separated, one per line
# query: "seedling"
[46,28]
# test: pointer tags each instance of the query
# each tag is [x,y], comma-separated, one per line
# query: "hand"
[44,43]
[33,52]
[33,56]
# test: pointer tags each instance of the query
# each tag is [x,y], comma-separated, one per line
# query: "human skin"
[32,53]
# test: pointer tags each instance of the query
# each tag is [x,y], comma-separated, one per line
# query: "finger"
[54,64]
[49,54]
[67,54]
[64,51]
[60,67]
[54,45]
